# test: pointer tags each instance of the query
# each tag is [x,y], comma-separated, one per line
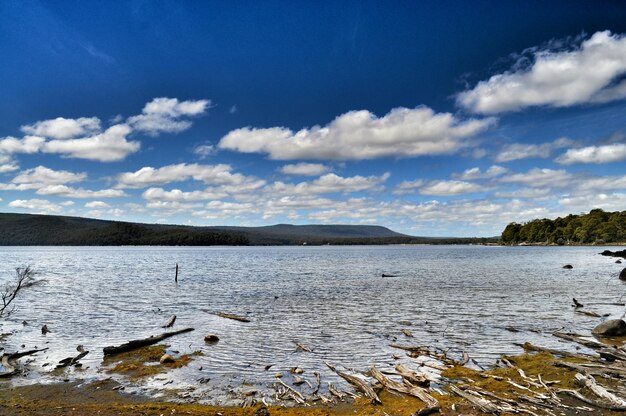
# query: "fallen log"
[230,316]
[483,404]
[170,323]
[356,382]
[138,343]
[69,361]
[616,403]
[579,339]
[9,361]
[432,404]
[530,347]
[415,378]
[589,313]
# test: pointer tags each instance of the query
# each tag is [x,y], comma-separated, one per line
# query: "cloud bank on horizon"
[541,137]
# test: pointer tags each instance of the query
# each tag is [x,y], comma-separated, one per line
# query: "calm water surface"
[332,299]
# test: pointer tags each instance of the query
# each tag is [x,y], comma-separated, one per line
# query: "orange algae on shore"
[144,362]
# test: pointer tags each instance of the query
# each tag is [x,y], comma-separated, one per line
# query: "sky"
[433,118]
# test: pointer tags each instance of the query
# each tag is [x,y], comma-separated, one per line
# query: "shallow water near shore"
[331,299]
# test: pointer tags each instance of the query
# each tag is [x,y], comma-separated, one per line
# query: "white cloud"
[594,154]
[534,193]
[542,178]
[97,205]
[210,174]
[39,205]
[408,187]
[7,164]
[108,146]
[516,151]
[204,150]
[160,194]
[330,183]
[358,135]
[304,169]
[27,144]
[165,115]
[556,78]
[42,176]
[64,128]
[223,209]
[476,173]
[447,188]
[69,192]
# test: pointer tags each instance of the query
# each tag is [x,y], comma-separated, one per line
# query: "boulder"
[622,275]
[167,359]
[618,261]
[211,338]
[568,266]
[610,328]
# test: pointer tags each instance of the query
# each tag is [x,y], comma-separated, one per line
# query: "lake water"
[331,299]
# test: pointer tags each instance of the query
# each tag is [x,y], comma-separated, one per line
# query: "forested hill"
[26,229]
[596,227]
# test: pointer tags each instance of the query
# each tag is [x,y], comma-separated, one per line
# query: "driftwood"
[170,323]
[589,313]
[615,402]
[357,382]
[138,343]
[69,361]
[230,316]
[530,347]
[420,379]
[333,391]
[9,361]
[432,404]
[302,347]
[483,404]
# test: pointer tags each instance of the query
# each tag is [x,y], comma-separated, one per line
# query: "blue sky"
[432,118]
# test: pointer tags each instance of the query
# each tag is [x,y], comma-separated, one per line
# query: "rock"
[622,275]
[610,328]
[388,275]
[407,333]
[618,261]
[211,338]
[610,253]
[44,329]
[568,266]
[262,412]
[167,359]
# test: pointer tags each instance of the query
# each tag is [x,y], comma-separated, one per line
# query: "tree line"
[596,227]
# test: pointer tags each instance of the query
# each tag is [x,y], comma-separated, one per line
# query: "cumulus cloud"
[407,187]
[304,169]
[40,205]
[167,115]
[210,174]
[447,188]
[42,176]
[160,194]
[69,192]
[594,154]
[97,205]
[542,178]
[358,135]
[204,150]
[475,173]
[590,72]
[109,146]
[64,128]
[516,151]
[330,183]
[27,144]
[7,164]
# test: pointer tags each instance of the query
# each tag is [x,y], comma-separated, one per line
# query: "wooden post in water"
[176,277]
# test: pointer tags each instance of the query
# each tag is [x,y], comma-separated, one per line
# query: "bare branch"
[25,277]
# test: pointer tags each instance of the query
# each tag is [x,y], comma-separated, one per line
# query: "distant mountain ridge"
[33,229]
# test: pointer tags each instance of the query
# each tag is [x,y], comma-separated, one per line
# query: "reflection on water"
[331,299]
